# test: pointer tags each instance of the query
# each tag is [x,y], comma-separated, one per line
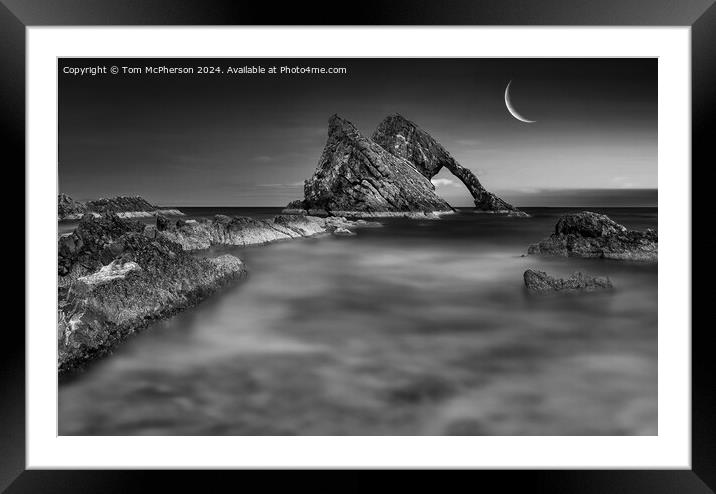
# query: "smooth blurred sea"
[416,328]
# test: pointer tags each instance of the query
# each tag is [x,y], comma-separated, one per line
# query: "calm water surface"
[417,328]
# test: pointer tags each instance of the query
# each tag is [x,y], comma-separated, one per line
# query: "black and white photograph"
[357,246]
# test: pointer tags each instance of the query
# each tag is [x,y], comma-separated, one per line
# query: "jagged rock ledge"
[123,206]
[129,214]
[541,282]
[589,234]
[114,280]
[418,215]
[244,231]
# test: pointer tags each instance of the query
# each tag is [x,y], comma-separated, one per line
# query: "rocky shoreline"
[244,231]
[117,276]
[98,312]
[127,214]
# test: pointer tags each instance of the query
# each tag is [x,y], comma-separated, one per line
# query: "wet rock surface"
[114,279]
[94,243]
[96,315]
[245,231]
[116,276]
[589,234]
[541,282]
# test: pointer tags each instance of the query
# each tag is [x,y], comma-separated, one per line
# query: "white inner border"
[670,449]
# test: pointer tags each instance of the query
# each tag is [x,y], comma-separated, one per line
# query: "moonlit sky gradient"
[251,140]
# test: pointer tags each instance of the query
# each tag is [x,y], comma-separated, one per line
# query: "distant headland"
[122,206]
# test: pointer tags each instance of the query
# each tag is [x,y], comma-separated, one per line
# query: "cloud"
[263,159]
[469,142]
[623,182]
[444,182]
[527,190]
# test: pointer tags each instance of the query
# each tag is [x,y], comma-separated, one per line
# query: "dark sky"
[251,140]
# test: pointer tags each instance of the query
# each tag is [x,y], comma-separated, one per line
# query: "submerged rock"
[333,223]
[589,234]
[356,176]
[539,281]
[404,139]
[343,232]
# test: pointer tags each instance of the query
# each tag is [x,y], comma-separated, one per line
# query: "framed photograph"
[425,240]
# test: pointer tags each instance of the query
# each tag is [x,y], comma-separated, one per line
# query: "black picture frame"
[700,15]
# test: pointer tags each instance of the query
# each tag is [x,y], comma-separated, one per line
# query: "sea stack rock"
[589,234]
[403,139]
[357,177]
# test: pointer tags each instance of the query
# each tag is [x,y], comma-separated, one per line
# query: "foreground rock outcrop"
[404,139]
[357,177]
[94,243]
[539,281]
[589,234]
[118,280]
[124,206]
[244,231]
[116,275]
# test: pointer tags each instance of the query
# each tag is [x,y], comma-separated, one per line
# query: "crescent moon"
[511,108]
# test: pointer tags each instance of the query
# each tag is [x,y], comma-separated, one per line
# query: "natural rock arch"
[402,138]
[388,174]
